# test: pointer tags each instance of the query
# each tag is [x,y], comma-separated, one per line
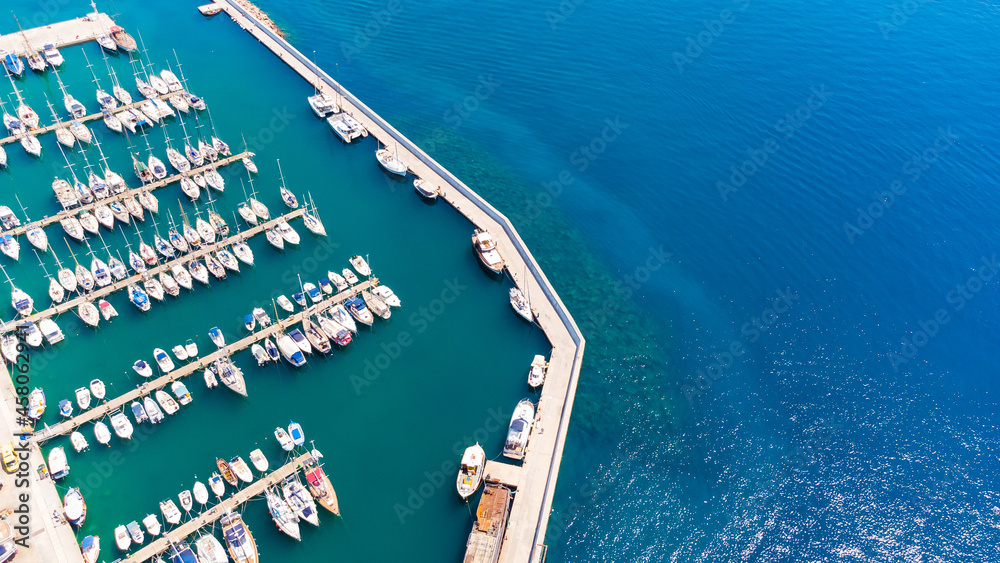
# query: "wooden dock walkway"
[212,514]
[538,474]
[93,117]
[152,385]
[152,186]
[98,293]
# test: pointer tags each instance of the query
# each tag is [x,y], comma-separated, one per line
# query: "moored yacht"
[283,516]
[242,547]
[470,471]
[486,248]
[519,430]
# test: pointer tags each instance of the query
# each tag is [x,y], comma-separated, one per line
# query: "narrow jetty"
[150,187]
[98,293]
[60,34]
[86,118]
[151,386]
[212,514]
[537,475]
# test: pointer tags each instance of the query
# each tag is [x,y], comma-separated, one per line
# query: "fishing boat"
[284,440]
[339,314]
[387,295]
[375,303]
[359,311]
[135,532]
[350,276]
[320,486]
[138,413]
[52,55]
[152,524]
[122,39]
[259,209]
[138,297]
[486,248]
[142,368]
[243,252]
[295,432]
[216,335]
[241,469]
[231,376]
[338,280]
[272,350]
[299,499]
[520,428]
[97,389]
[536,373]
[79,441]
[259,354]
[312,291]
[102,433]
[153,410]
[163,360]
[170,511]
[289,198]
[191,348]
[521,305]
[167,402]
[335,331]
[66,408]
[122,538]
[181,392]
[121,425]
[258,460]
[58,468]
[242,547]
[290,350]
[90,548]
[425,189]
[285,304]
[200,492]
[186,501]
[274,237]
[83,398]
[390,161]
[210,550]
[282,514]
[300,340]
[317,339]
[217,485]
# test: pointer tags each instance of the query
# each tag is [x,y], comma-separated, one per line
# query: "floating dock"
[61,34]
[150,187]
[98,293]
[211,515]
[537,475]
[152,385]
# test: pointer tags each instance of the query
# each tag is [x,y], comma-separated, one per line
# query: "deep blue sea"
[777,226]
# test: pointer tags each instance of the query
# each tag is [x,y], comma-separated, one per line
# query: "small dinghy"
[79,441]
[210,379]
[142,368]
[258,460]
[83,398]
[284,439]
[102,433]
[152,524]
[107,309]
[200,492]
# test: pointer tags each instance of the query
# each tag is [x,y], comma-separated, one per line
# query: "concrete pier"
[536,477]
[152,385]
[212,514]
[98,293]
[61,34]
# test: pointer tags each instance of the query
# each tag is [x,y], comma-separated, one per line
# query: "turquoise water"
[813,442]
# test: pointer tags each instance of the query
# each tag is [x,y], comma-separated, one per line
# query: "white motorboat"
[20,300]
[152,524]
[521,305]
[536,373]
[360,265]
[58,468]
[284,440]
[52,55]
[79,441]
[170,79]
[83,398]
[217,337]
[168,403]
[142,368]
[387,295]
[300,340]
[285,304]
[135,532]
[425,189]
[74,106]
[36,402]
[296,433]
[217,485]
[259,209]
[258,460]
[486,248]
[186,501]
[338,280]
[350,276]
[181,392]
[241,469]
[200,492]
[339,313]
[210,550]
[290,350]
[259,354]
[179,352]
[97,389]
[519,430]
[121,425]
[163,360]
[138,412]
[122,538]
[470,470]
[170,511]
[153,410]
[102,433]
[191,348]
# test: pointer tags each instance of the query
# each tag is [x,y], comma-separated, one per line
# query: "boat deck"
[212,514]
[61,34]
[150,271]
[483,545]
[152,385]
[88,118]
[151,187]
[539,472]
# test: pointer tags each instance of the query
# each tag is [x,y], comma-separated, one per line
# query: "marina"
[153,385]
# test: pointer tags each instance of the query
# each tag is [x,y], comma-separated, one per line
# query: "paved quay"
[536,476]
[61,34]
